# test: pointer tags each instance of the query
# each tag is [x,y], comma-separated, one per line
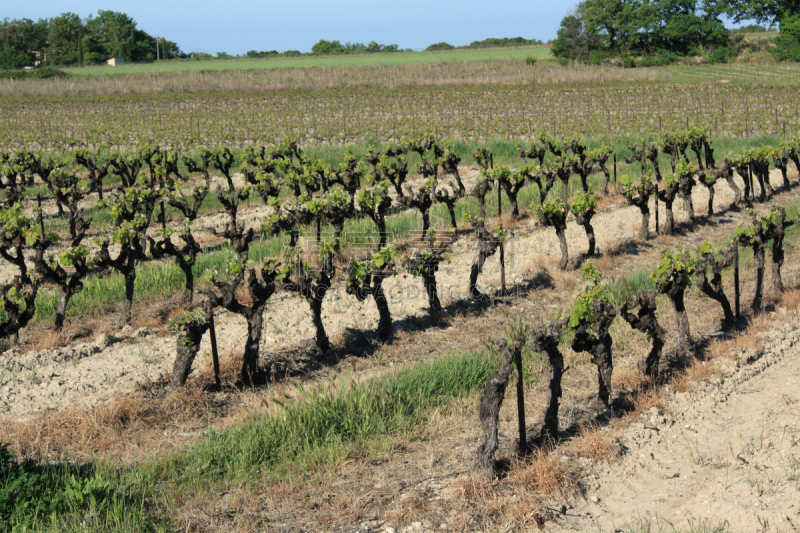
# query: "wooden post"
[523,444]
[214,352]
[615,169]
[736,305]
[500,223]
[656,201]
[750,179]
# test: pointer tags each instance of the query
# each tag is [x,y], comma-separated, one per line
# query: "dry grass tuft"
[604,263]
[790,299]
[46,339]
[177,311]
[543,472]
[597,443]
[666,240]
[79,433]
[727,347]
[629,377]
[147,321]
[566,280]
[127,427]
[698,370]
[610,200]
[644,400]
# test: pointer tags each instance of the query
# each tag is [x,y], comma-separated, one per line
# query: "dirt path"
[726,451]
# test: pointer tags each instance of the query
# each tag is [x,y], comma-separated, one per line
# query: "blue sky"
[236,26]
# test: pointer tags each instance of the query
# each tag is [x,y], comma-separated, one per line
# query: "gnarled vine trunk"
[489,412]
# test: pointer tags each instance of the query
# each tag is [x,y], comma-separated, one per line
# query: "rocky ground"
[725,452]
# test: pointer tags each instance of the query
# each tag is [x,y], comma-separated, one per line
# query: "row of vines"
[235,120]
[156,197]
[585,327]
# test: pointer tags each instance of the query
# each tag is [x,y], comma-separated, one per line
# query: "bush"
[655,60]
[722,55]
[563,61]
[530,60]
[598,56]
[787,44]
[34,74]
[324,47]
[439,47]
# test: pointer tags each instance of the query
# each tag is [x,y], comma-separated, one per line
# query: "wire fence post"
[736,280]
[656,202]
[500,223]
[214,352]
[523,444]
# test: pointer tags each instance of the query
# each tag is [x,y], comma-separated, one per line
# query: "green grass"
[329,425]
[95,497]
[311,435]
[761,36]
[333,61]
[777,74]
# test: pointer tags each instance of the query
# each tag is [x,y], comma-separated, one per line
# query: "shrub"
[530,60]
[787,45]
[437,47]
[34,74]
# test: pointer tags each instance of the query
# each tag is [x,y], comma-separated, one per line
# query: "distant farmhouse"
[39,57]
[115,61]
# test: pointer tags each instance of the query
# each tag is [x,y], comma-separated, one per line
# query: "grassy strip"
[95,497]
[330,61]
[316,432]
[327,426]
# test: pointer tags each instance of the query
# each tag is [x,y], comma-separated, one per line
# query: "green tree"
[64,34]
[20,39]
[615,18]
[686,32]
[787,45]
[113,32]
[764,11]
[438,47]
[575,40]
[327,47]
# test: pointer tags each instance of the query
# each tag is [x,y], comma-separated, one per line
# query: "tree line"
[69,39]
[660,31]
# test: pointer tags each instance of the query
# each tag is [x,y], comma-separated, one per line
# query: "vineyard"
[244,246]
[364,112]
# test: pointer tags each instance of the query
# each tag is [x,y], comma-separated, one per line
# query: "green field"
[761,36]
[403,58]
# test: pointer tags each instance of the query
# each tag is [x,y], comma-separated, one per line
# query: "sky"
[236,26]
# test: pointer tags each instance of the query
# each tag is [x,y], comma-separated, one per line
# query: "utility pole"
[157,53]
